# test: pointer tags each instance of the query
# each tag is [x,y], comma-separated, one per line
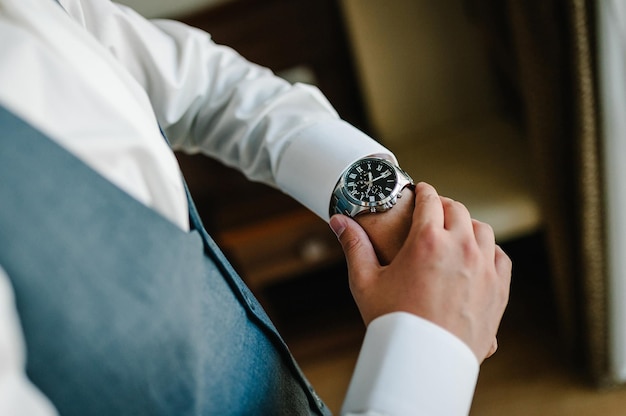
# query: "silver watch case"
[343,203]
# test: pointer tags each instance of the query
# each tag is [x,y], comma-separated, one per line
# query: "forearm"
[205,96]
[208,98]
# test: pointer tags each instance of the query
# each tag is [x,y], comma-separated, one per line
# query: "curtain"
[544,53]
[555,50]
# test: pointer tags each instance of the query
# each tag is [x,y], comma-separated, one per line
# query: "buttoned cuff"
[410,366]
[311,165]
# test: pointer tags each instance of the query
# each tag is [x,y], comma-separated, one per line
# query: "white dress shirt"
[99,79]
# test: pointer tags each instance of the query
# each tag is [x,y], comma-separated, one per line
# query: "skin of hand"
[447,270]
[388,230]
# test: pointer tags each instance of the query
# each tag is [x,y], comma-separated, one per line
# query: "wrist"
[388,230]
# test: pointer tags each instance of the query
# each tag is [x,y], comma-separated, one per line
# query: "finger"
[485,236]
[502,263]
[428,208]
[457,217]
[357,247]
[493,349]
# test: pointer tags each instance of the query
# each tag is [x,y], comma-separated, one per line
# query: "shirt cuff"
[311,165]
[410,366]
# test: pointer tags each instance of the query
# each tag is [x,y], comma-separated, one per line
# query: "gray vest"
[124,313]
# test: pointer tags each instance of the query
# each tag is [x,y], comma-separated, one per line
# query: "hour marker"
[352,176]
[381,195]
[372,199]
[388,189]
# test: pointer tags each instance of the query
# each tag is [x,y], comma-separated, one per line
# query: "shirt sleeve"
[410,366]
[18,396]
[209,99]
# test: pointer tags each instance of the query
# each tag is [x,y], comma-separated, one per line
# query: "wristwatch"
[371,184]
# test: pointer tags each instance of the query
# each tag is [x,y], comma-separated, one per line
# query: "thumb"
[356,245]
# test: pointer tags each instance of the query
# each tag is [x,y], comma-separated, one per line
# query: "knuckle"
[459,206]
[425,198]
[472,254]
[351,243]
[429,239]
[483,232]
[483,226]
[504,260]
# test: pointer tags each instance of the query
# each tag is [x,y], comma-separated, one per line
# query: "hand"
[369,182]
[448,271]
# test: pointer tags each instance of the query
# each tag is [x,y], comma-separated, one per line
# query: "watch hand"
[369,182]
[384,175]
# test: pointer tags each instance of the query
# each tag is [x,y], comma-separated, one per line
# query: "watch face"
[370,181]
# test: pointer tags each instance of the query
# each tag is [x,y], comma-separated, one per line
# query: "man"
[115,301]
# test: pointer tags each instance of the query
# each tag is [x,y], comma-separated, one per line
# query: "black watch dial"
[370,181]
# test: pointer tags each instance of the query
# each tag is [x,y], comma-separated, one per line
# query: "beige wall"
[421,64]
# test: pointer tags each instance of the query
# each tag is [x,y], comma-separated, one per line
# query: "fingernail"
[337,224]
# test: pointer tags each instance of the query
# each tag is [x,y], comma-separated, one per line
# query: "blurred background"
[515,109]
